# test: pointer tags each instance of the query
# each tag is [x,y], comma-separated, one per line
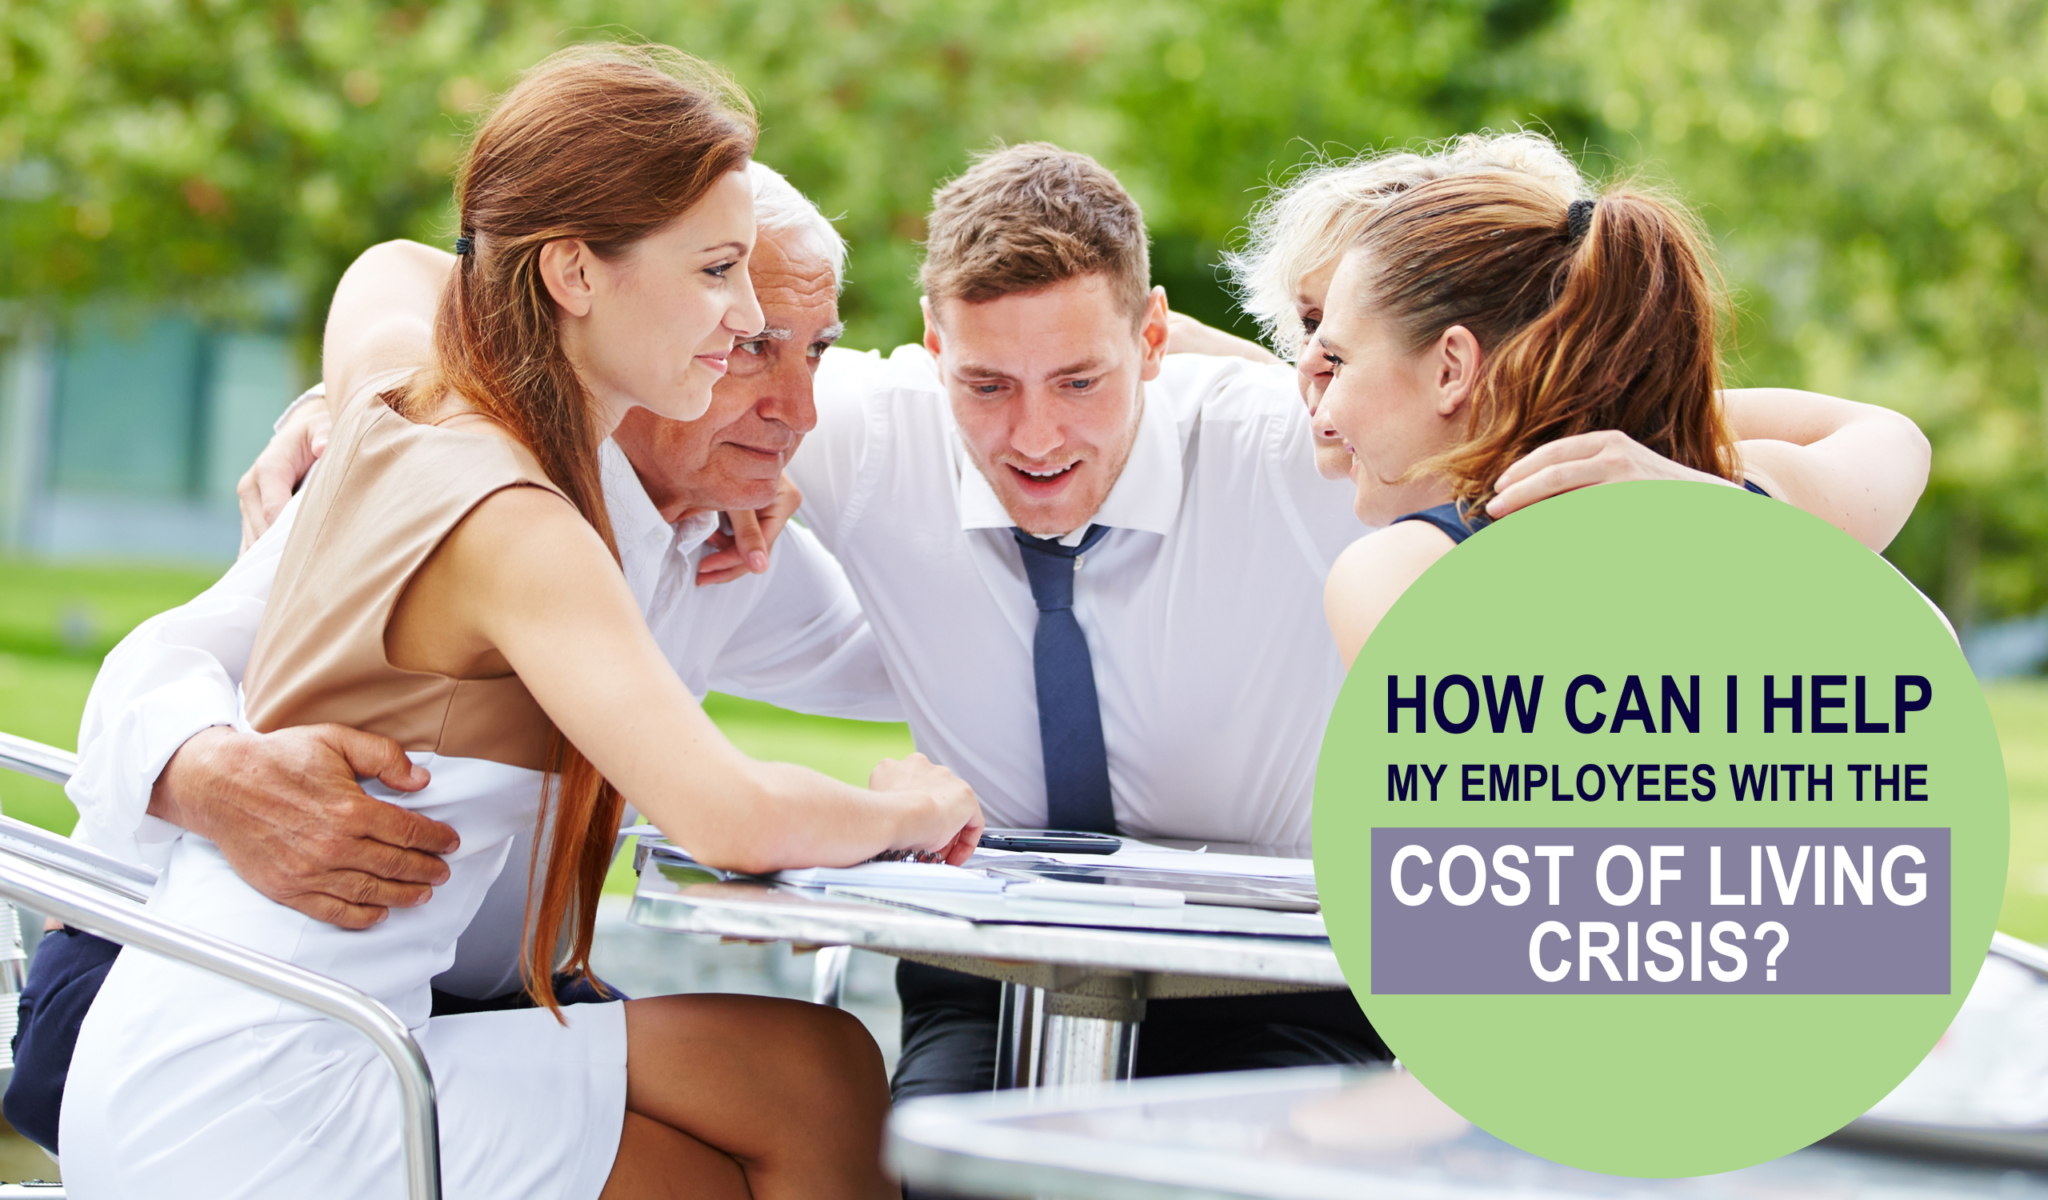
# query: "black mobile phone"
[1050,841]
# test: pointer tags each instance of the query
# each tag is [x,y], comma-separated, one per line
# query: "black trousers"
[949,1033]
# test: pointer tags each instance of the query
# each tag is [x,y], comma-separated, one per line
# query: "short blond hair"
[1027,217]
[1308,223]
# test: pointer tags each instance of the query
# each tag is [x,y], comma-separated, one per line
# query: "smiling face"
[730,457]
[1312,294]
[654,327]
[1046,389]
[1393,405]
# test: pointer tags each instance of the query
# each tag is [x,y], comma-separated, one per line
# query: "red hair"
[605,144]
[1612,327]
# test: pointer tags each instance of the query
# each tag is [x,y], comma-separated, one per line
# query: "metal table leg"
[1080,1051]
[1020,1033]
[1082,1034]
[828,976]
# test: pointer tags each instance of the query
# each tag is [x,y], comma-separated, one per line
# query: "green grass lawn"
[57,622]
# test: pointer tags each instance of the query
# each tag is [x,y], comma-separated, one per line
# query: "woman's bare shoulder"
[1372,574]
[519,552]
[521,526]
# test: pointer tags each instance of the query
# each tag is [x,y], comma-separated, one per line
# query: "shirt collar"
[635,520]
[1146,496]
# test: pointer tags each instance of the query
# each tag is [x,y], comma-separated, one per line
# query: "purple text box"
[1881,926]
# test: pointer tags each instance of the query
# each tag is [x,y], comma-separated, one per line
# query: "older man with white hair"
[158,749]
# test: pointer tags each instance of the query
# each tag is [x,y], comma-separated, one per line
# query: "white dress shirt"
[794,636]
[1202,607]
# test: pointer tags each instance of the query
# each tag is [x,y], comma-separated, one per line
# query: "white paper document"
[1158,858]
[915,875]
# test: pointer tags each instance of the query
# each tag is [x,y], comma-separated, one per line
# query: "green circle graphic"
[1646,581]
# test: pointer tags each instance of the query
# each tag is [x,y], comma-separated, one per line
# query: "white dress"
[186,1084]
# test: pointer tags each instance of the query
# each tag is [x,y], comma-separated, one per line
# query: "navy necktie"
[1069,716]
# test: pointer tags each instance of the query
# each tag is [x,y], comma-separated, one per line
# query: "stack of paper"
[1139,887]
[1005,910]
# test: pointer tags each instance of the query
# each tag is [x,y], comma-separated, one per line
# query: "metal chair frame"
[102,895]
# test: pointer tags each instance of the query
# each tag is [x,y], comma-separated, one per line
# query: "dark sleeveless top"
[1458,525]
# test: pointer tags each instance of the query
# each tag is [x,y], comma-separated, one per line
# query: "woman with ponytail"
[1487,333]
[1856,466]
[451,583]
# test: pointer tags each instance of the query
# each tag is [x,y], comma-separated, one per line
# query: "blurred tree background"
[1873,174]
[1871,171]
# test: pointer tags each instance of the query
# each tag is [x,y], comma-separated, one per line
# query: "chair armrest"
[35,759]
[116,917]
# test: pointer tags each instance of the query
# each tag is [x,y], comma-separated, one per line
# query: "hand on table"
[287,813]
[954,829]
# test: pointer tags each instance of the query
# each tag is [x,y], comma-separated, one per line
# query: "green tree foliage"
[175,147]
[1873,173]
[1869,171]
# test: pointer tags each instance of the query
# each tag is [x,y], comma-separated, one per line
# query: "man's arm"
[158,752]
[805,644]
[744,550]
[1185,335]
[297,440]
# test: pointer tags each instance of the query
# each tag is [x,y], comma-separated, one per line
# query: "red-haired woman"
[1485,333]
[451,583]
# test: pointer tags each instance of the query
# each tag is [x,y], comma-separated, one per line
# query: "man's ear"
[1153,333]
[564,269]
[931,326]
[1457,359]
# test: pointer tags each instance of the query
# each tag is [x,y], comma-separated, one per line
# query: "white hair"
[778,205]
[1307,223]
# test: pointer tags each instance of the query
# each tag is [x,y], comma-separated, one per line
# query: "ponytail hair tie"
[1578,219]
[464,245]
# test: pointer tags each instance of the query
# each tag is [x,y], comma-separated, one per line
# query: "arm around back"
[382,316]
[158,753]
[173,676]
[1858,467]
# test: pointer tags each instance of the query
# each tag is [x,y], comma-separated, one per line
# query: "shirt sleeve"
[806,645]
[174,675]
[1320,510]
[826,468]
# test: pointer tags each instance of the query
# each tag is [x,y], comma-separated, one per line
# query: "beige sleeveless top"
[387,492]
